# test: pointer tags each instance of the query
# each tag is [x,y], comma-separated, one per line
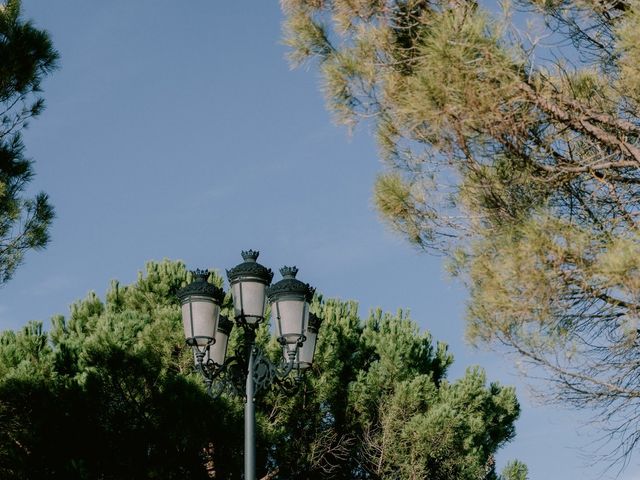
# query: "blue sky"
[177,130]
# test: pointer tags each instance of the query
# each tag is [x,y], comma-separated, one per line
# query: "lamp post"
[249,370]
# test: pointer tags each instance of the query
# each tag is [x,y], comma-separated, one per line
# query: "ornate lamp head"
[249,281]
[201,302]
[289,300]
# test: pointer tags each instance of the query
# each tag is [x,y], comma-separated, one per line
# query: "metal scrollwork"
[264,372]
[231,376]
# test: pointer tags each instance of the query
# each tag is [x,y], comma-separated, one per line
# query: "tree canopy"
[109,392]
[514,150]
[26,58]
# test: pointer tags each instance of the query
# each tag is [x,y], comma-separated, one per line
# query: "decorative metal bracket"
[232,374]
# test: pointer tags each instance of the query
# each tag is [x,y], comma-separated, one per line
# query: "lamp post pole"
[207,332]
[250,423]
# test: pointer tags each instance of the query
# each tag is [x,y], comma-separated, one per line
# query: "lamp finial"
[250,255]
[289,272]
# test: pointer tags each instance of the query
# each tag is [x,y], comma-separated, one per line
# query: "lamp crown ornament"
[289,272]
[200,275]
[250,255]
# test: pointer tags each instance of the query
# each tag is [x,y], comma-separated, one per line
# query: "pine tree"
[110,393]
[516,153]
[26,58]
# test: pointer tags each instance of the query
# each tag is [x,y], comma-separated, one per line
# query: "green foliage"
[523,170]
[110,393]
[515,471]
[26,57]
[378,405]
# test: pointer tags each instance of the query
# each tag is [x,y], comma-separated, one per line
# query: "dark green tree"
[26,58]
[110,393]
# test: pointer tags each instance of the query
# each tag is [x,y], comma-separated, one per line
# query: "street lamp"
[249,370]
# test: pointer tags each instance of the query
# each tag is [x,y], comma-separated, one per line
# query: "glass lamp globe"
[306,353]
[218,351]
